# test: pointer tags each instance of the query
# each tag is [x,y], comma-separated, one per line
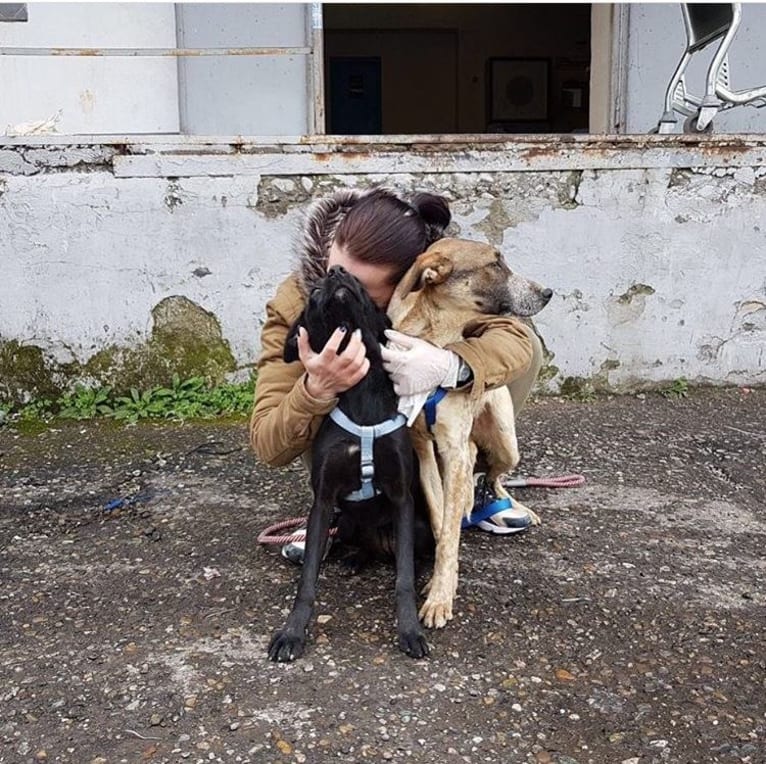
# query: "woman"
[376,236]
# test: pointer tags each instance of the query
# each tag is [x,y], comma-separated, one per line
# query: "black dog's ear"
[290,353]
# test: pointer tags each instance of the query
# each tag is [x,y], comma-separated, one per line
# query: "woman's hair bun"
[435,213]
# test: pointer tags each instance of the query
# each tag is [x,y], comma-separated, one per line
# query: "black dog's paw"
[413,643]
[353,563]
[285,647]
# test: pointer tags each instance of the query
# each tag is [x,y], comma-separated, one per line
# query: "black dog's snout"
[547,293]
[337,270]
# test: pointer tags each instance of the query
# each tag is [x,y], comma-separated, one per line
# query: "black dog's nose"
[547,293]
[338,270]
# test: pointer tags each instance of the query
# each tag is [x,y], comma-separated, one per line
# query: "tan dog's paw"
[435,613]
[535,517]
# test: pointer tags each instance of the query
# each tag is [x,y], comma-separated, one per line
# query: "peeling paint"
[680,178]
[635,289]
[173,196]
[630,305]
[568,196]
[276,198]
[494,225]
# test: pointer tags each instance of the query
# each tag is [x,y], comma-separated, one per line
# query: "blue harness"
[366,435]
[429,407]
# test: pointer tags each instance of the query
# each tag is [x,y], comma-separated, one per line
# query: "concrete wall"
[656,248]
[249,95]
[210,95]
[656,41]
[92,94]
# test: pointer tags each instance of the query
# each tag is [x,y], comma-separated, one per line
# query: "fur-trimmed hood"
[325,215]
[322,221]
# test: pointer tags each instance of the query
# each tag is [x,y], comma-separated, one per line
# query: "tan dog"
[452,284]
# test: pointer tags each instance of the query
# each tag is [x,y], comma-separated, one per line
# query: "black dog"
[337,462]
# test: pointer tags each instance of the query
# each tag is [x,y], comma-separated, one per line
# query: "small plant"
[183,399]
[138,405]
[36,411]
[232,399]
[679,389]
[85,403]
[577,389]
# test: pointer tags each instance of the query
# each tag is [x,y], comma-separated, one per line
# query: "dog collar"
[366,435]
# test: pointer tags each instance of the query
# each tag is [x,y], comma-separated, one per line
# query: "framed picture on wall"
[518,89]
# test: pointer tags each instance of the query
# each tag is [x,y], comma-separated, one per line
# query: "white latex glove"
[411,406]
[416,366]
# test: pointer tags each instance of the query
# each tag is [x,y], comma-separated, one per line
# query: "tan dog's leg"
[431,482]
[457,456]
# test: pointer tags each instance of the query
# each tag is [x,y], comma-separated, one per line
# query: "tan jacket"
[286,418]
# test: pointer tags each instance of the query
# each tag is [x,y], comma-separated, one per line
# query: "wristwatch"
[464,374]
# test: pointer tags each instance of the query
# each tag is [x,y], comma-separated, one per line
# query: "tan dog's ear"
[435,267]
[429,268]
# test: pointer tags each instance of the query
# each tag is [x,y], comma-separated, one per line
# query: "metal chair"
[706,23]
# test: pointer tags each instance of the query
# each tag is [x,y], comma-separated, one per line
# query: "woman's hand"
[416,366]
[328,373]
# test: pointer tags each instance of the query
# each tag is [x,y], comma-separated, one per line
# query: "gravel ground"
[628,628]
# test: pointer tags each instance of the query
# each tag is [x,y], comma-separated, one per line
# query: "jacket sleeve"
[285,417]
[497,349]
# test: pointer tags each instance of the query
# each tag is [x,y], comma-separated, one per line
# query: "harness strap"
[366,435]
[429,407]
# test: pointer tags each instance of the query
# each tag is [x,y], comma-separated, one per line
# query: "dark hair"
[383,229]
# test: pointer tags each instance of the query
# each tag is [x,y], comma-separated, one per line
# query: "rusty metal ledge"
[173,142]
[188,156]
[527,156]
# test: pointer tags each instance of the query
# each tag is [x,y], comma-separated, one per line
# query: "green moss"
[548,370]
[186,340]
[577,388]
[25,374]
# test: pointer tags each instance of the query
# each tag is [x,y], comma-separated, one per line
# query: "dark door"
[355,96]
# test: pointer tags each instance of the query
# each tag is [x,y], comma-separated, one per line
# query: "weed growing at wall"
[679,389]
[190,398]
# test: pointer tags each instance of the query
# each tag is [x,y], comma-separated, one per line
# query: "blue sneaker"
[495,514]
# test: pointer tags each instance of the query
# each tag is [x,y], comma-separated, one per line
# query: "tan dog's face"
[472,273]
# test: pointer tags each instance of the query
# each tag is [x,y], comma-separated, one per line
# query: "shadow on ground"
[629,627]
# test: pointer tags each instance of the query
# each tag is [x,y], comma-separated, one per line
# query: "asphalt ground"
[136,604]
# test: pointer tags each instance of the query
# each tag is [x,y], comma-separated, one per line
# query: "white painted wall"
[87,258]
[244,95]
[87,255]
[93,94]
[656,41]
